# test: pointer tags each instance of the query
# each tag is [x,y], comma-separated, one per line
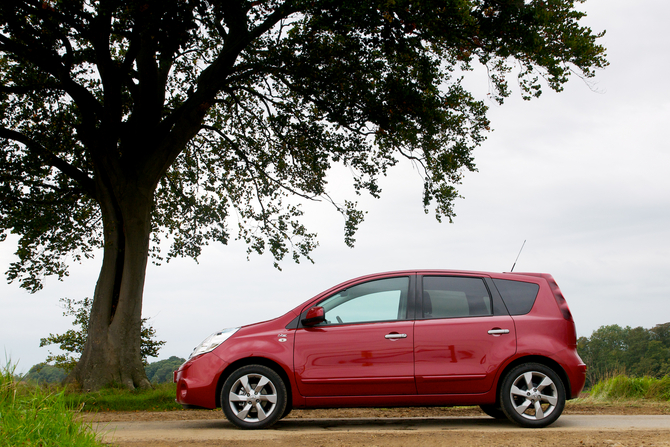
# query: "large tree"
[128,122]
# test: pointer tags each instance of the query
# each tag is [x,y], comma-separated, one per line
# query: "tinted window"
[518,296]
[448,297]
[381,300]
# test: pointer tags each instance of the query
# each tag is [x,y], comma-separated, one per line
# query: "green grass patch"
[160,398]
[660,389]
[623,387]
[35,416]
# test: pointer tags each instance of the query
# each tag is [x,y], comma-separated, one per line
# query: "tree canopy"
[124,123]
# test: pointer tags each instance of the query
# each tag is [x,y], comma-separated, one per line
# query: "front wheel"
[532,395]
[253,397]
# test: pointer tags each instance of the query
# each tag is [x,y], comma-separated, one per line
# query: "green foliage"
[625,387]
[45,374]
[613,350]
[161,371]
[32,416]
[660,389]
[73,340]
[118,398]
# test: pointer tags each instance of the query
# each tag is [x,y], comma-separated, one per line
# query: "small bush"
[660,389]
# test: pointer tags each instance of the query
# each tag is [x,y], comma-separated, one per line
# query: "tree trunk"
[112,351]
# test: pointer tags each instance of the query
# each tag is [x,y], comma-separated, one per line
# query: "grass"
[621,387]
[35,416]
[160,398]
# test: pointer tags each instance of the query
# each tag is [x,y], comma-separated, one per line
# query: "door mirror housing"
[314,316]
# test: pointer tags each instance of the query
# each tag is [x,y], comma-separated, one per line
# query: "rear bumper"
[576,369]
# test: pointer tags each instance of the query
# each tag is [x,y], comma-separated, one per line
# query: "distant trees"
[161,371]
[633,351]
[43,373]
[157,372]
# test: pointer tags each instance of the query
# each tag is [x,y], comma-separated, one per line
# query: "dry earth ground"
[295,433]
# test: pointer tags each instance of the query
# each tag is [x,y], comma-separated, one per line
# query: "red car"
[503,341]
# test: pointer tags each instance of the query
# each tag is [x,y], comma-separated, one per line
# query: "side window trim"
[499,307]
[412,303]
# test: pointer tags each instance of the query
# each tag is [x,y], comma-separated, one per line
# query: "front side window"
[380,300]
[450,297]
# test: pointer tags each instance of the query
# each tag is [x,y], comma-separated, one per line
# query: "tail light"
[560,299]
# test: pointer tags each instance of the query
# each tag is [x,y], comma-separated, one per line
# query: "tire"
[287,411]
[532,395]
[253,397]
[494,411]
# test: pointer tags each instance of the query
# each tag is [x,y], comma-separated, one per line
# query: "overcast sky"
[581,176]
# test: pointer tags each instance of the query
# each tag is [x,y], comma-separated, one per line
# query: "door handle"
[395,336]
[498,331]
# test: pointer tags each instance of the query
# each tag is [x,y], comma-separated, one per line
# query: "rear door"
[461,336]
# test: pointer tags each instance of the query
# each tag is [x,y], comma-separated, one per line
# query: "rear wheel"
[532,395]
[253,397]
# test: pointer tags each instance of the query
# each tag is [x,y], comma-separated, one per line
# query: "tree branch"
[52,160]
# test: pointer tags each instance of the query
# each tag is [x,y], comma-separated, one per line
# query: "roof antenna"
[517,256]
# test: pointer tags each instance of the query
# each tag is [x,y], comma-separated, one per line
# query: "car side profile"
[503,341]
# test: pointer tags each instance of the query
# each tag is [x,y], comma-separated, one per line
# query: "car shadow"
[397,423]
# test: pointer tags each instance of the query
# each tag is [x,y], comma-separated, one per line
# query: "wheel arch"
[276,367]
[554,365]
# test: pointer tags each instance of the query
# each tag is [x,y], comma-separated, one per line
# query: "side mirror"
[315,315]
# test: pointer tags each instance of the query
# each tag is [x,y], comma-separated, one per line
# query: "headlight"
[213,341]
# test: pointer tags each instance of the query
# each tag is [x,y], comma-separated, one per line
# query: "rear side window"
[518,296]
[450,297]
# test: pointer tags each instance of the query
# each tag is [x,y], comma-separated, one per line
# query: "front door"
[365,346]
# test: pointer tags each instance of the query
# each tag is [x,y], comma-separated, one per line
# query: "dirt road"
[175,429]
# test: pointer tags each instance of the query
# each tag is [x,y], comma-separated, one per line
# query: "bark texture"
[112,351]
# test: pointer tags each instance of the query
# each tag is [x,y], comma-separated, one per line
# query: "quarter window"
[380,300]
[518,296]
[449,297]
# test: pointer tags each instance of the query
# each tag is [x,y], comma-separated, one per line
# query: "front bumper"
[197,381]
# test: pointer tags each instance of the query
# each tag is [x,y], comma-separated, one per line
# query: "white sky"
[581,175]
